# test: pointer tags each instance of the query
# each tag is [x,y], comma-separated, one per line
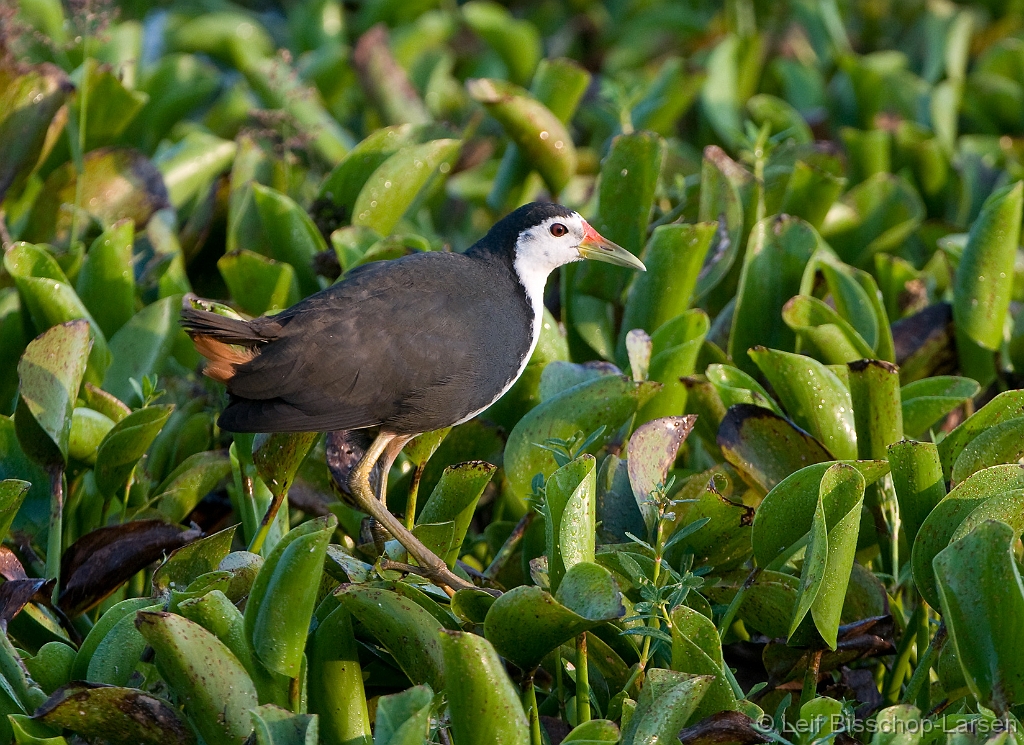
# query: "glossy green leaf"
[787,513]
[1001,443]
[917,478]
[526,623]
[283,596]
[767,604]
[674,257]
[725,189]
[277,457]
[32,96]
[736,387]
[607,401]
[12,494]
[292,236]
[780,116]
[185,564]
[516,42]
[187,484]
[118,653]
[984,277]
[404,718]
[400,181]
[213,686]
[99,631]
[569,516]
[831,547]
[483,704]
[336,693]
[927,401]
[50,300]
[810,192]
[257,283]
[982,600]
[877,410]
[403,627]
[676,347]
[192,163]
[273,725]
[822,333]
[629,177]
[537,132]
[667,701]
[51,666]
[778,250]
[125,445]
[141,346]
[765,447]
[813,396]
[50,373]
[733,68]
[697,649]
[1007,405]
[106,281]
[723,541]
[942,522]
[117,183]
[455,498]
[176,84]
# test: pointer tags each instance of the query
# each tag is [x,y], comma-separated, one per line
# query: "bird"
[408,346]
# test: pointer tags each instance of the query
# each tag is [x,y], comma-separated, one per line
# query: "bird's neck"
[533,278]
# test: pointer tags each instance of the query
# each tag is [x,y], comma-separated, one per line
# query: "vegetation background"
[769,491]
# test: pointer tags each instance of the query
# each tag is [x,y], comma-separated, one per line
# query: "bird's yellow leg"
[433,566]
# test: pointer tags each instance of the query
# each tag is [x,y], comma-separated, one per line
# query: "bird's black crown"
[501,239]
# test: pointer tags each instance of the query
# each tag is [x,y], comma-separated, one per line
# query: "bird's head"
[547,236]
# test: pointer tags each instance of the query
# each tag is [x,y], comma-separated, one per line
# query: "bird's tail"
[215,338]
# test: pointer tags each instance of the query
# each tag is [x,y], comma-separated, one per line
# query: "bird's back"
[412,344]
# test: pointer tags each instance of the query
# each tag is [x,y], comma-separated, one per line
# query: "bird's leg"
[433,567]
[386,460]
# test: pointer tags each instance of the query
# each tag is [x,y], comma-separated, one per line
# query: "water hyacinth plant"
[769,491]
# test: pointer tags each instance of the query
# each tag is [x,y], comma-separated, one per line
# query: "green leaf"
[292,236]
[814,397]
[788,512]
[51,667]
[111,105]
[50,300]
[831,547]
[454,499]
[778,250]
[336,693]
[876,215]
[284,594]
[982,600]
[516,42]
[984,277]
[676,346]
[927,401]
[103,626]
[569,517]
[277,457]
[141,346]
[483,704]
[667,701]
[124,446]
[942,522]
[526,623]
[736,387]
[117,183]
[1000,443]
[196,477]
[403,627]
[404,718]
[258,284]
[191,164]
[917,479]
[190,561]
[674,257]
[1007,405]
[725,187]
[822,333]
[697,649]
[733,68]
[810,193]
[50,373]
[400,181]
[877,412]
[608,401]
[273,725]
[12,494]
[214,688]
[106,281]
[118,653]
[629,177]
[765,447]
[121,716]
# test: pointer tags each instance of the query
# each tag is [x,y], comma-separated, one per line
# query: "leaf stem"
[530,702]
[582,681]
[414,490]
[901,665]
[508,548]
[78,149]
[920,677]
[55,535]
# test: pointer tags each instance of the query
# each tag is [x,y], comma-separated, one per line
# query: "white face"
[545,247]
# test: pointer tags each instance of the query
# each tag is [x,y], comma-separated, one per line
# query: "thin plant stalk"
[78,148]
[414,490]
[530,703]
[582,681]
[54,538]
[810,687]
[901,665]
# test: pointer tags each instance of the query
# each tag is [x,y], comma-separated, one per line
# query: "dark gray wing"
[404,343]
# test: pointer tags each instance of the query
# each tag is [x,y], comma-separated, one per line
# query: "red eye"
[558,230]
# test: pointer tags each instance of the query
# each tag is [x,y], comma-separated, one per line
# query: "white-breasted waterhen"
[409,345]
